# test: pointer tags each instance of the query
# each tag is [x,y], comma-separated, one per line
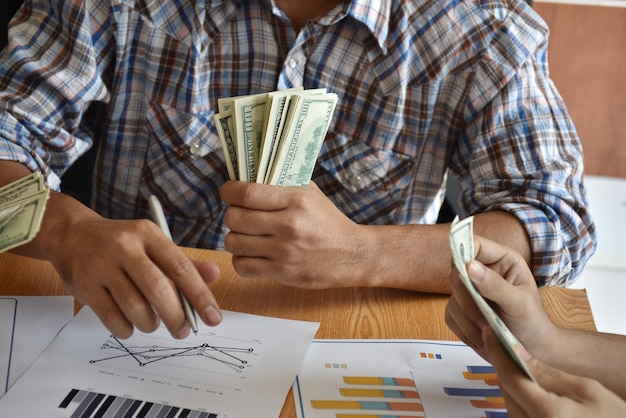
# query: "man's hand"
[294,235]
[126,271]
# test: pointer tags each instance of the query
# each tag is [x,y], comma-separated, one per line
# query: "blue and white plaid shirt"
[426,88]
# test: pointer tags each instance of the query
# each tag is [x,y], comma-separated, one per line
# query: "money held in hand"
[22,204]
[274,138]
[462,247]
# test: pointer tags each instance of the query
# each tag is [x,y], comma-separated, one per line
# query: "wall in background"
[587,58]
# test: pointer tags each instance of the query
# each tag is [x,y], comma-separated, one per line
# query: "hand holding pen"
[212,314]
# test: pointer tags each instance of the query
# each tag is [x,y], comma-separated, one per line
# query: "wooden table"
[342,313]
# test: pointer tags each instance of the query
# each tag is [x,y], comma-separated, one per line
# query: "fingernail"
[183,333]
[212,315]
[476,270]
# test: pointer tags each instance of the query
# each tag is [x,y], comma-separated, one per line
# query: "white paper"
[242,368]
[27,325]
[393,378]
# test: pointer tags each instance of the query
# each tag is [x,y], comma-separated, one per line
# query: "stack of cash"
[22,204]
[274,138]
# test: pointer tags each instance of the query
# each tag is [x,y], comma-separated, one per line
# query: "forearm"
[595,355]
[417,257]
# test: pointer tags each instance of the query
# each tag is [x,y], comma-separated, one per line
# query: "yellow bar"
[335,405]
[480,376]
[369,393]
[362,380]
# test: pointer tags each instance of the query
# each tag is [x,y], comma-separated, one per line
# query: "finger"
[151,272]
[494,287]
[520,388]
[210,272]
[199,294]
[465,329]
[250,222]
[504,261]
[254,195]
[514,410]
[109,313]
[250,245]
[133,304]
[176,266]
[467,305]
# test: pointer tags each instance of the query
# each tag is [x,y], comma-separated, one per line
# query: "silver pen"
[159,218]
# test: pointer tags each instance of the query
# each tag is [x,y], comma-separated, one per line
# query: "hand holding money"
[274,138]
[462,247]
[22,205]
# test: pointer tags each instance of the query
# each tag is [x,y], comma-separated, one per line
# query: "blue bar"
[481,369]
[482,393]
[489,414]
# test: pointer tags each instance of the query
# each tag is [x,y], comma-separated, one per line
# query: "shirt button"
[194,148]
[354,180]
[293,63]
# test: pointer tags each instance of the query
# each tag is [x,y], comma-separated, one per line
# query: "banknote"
[302,139]
[22,205]
[274,137]
[462,247]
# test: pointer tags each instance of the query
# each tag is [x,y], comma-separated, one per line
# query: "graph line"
[147,354]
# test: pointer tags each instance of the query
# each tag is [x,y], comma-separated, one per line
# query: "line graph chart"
[242,367]
[228,356]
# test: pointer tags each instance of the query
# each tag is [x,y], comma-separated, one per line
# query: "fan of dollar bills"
[274,138]
[22,204]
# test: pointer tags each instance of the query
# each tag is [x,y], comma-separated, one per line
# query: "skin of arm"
[297,236]
[123,270]
[557,394]
[503,278]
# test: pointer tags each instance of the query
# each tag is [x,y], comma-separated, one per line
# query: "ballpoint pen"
[159,218]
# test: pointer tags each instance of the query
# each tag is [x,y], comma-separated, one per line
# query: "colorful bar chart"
[396,379]
[86,404]
[486,398]
[373,394]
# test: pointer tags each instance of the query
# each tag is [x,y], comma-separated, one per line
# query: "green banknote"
[22,205]
[274,138]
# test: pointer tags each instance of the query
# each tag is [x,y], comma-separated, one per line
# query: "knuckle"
[244,267]
[234,244]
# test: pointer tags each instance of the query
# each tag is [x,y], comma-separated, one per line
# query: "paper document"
[396,378]
[27,325]
[243,367]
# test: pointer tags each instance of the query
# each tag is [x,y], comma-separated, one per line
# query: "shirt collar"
[375,15]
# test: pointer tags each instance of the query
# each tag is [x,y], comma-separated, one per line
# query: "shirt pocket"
[184,164]
[360,167]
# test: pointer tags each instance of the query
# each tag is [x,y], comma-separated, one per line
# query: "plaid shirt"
[426,88]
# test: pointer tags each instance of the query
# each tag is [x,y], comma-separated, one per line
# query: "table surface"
[342,313]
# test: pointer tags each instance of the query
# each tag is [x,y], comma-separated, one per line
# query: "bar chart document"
[27,325]
[243,367]
[396,379]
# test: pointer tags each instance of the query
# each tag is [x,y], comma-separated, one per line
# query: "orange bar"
[494,404]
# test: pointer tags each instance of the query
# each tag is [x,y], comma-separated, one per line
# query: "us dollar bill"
[249,113]
[225,131]
[21,211]
[274,137]
[275,115]
[462,248]
[302,139]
